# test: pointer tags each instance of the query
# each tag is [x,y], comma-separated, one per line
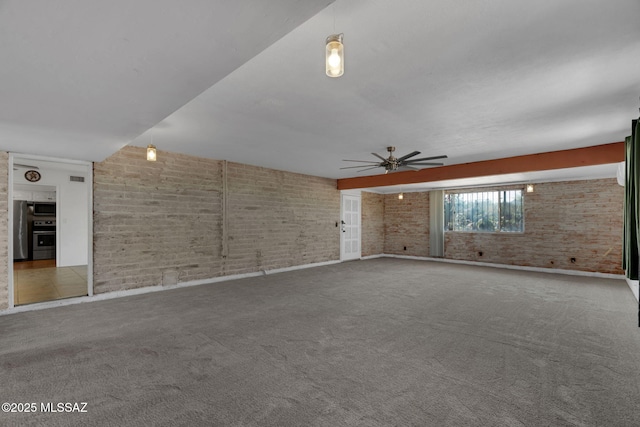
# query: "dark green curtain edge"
[631,244]
[630,234]
[631,223]
[635,140]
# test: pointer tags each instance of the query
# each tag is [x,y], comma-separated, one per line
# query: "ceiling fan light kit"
[393,164]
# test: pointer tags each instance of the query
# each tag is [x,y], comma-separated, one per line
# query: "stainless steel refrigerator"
[20,230]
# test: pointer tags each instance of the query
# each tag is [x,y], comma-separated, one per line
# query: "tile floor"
[43,282]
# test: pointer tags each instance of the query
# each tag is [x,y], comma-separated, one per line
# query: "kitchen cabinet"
[44,196]
[34,196]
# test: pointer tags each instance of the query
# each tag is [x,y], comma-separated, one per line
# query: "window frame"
[500,201]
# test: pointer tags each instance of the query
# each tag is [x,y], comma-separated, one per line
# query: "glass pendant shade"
[151,153]
[334,53]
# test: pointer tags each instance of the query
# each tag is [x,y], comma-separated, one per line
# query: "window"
[484,211]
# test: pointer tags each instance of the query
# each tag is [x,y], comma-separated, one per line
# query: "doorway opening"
[50,237]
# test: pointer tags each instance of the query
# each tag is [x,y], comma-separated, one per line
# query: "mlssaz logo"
[63,407]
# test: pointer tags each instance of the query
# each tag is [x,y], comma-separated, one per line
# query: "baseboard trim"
[372,256]
[513,267]
[300,267]
[157,288]
[633,284]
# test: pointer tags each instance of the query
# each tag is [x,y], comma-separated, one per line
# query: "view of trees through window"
[488,211]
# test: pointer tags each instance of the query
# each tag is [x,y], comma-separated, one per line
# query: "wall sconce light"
[400,196]
[334,53]
[151,153]
[529,188]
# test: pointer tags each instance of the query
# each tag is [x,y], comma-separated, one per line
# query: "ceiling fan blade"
[360,161]
[425,164]
[361,166]
[426,158]
[415,153]
[380,157]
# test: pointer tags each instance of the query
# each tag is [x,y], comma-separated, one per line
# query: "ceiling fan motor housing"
[392,163]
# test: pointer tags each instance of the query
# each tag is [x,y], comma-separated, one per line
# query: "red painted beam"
[587,156]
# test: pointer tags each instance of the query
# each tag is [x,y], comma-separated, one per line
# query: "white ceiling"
[244,81]
[82,78]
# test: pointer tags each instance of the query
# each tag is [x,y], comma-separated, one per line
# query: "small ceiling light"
[529,188]
[334,55]
[400,196]
[151,153]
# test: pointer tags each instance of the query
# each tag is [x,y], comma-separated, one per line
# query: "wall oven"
[44,239]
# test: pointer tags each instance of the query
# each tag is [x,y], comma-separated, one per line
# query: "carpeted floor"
[382,342]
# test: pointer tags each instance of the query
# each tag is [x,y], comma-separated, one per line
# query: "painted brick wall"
[563,220]
[406,224]
[280,219]
[162,222]
[372,223]
[155,218]
[4,230]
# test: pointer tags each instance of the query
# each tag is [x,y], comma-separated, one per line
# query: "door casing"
[89,184]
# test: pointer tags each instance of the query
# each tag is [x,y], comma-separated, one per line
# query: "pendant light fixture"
[151,153]
[151,150]
[334,54]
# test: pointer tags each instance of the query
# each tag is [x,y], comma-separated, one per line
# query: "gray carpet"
[382,342]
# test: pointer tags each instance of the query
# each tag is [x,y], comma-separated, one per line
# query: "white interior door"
[350,235]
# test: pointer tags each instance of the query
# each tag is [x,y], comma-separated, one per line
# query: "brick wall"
[155,218]
[162,222]
[372,223]
[280,219]
[4,230]
[406,224]
[563,220]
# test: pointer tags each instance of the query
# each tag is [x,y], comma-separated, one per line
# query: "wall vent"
[76,178]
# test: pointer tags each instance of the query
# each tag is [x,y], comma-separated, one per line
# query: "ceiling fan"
[396,164]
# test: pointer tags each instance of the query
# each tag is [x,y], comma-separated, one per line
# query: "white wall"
[72,206]
[73,223]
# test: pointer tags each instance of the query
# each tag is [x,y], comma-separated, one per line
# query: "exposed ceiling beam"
[587,156]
